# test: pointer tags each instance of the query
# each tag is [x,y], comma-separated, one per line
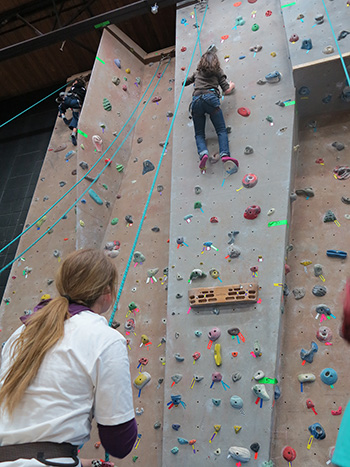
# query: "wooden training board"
[229,294]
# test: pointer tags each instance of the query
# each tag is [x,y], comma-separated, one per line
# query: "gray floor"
[23,144]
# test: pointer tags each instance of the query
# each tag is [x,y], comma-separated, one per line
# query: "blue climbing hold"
[175,426]
[182,440]
[147,167]
[69,155]
[175,450]
[304,91]
[329,376]
[95,197]
[327,99]
[306,44]
[317,431]
[117,62]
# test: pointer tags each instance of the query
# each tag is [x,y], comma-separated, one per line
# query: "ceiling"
[43,42]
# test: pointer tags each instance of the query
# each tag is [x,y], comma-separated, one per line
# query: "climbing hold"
[252,212]
[69,155]
[319,19]
[238,453]
[337,412]
[141,380]
[237,428]
[308,355]
[273,77]
[329,216]
[214,273]
[214,220]
[59,148]
[156,99]
[106,104]
[255,447]
[236,402]
[269,119]
[249,180]
[308,192]
[244,111]
[129,219]
[198,333]
[214,334]
[217,355]
[157,425]
[147,166]
[328,50]
[258,375]
[271,211]
[198,378]
[178,357]
[175,426]
[255,27]
[216,402]
[176,378]
[139,257]
[248,150]
[197,274]
[83,165]
[144,339]
[294,38]
[197,190]
[97,141]
[174,450]
[40,222]
[319,290]
[182,440]
[342,35]
[257,349]
[178,295]
[125,88]
[256,48]
[323,309]
[289,454]
[329,376]
[273,54]
[236,377]
[338,146]
[260,391]
[261,81]
[232,236]
[318,270]
[304,91]
[114,221]
[95,197]
[306,378]
[299,293]
[115,80]
[306,44]
[117,62]
[217,452]
[317,431]
[324,334]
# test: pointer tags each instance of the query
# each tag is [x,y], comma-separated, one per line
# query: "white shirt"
[86,374]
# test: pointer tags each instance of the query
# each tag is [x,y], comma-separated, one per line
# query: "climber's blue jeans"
[209,104]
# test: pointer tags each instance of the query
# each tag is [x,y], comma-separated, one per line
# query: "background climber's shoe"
[203,162]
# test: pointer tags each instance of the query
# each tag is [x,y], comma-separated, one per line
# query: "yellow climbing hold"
[144,339]
[306,263]
[45,296]
[41,221]
[273,54]
[237,428]
[128,71]
[82,223]
[217,354]
[217,428]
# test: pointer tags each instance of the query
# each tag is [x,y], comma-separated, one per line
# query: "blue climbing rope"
[198,32]
[41,100]
[154,182]
[91,184]
[87,173]
[337,44]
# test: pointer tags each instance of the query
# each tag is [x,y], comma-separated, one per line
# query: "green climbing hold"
[134,459]
[255,27]
[105,186]
[106,104]
[115,221]
[132,306]
[41,221]
[197,205]
[119,167]
[95,197]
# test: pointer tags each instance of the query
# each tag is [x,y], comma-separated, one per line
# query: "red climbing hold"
[251,1]
[183,68]
[244,111]
[249,180]
[183,49]
[214,220]
[252,212]
[237,4]
[125,88]
[268,13]
[289,454]
[107,161]
[319,161]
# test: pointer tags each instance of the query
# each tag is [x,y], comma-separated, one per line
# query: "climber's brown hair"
[84,276]
[209,63]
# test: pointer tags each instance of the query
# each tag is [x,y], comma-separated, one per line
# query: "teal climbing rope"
[87,173]
[337,44]
[154,182]
[91,184]
[41,100]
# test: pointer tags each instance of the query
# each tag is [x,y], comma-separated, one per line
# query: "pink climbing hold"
[125,88]
[244,111]
[97,140]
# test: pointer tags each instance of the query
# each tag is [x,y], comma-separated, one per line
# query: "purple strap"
[118,440]
[73,308]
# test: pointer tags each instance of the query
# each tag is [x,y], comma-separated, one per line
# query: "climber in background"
[206,100]
[63,367]
[73,99]
[341,453]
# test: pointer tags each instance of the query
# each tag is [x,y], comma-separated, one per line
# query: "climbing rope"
[41,100]
[97,177]
[154,181]
[337,44]
[87,173]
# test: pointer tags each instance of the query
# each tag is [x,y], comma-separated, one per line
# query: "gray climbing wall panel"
[223,196]
[318,73]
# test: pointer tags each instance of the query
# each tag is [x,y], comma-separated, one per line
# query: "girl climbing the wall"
[206,100]
[63,367]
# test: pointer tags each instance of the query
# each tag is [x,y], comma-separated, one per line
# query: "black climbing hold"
[319,290]
[233,331]
[129,219]
[338,146]
[342,35]
[329,216]
[345,200]
[155,229]
[147,166]
[304,91]
[255,447]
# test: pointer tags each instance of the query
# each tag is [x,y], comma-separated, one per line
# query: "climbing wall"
[199,242]
[310,238]
[314,54]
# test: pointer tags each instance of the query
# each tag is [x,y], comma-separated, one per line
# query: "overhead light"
[154,9]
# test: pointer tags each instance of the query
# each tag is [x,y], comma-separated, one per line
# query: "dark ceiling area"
[43,42]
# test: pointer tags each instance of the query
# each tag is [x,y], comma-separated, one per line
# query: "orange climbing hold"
[237,4]
[224,38]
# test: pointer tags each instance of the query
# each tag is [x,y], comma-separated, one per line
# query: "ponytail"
[43,330]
